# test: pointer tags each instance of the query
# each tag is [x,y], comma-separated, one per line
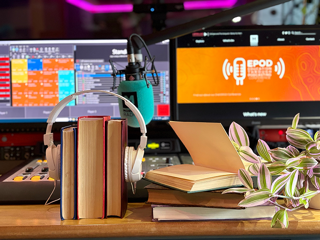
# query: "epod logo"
[252,69]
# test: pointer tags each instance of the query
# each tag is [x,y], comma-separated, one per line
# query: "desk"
[39,221]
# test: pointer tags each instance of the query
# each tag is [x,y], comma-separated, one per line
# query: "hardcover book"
[160,195]
[68,177]
[178,213]
[116,187]
[91,166]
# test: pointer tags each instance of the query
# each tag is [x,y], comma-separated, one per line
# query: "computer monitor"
[36,74]
[251,75]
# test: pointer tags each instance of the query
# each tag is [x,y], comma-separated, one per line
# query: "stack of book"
[92,170]
[174,205]
[193,192]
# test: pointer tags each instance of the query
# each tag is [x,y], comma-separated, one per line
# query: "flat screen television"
[252,75]
[36,74]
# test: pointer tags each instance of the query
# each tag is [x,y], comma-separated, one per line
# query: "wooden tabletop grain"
[39,221]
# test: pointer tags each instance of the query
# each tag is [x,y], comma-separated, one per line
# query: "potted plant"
[296,168]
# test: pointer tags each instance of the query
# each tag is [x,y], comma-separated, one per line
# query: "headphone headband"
[48,137]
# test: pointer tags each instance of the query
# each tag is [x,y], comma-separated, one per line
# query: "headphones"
[132,159]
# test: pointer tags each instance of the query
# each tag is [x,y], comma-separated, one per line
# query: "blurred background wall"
[61,19]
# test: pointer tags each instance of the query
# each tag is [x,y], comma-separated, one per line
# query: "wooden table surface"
[39,221]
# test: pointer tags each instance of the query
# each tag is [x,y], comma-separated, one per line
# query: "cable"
[145,46]
[54,188]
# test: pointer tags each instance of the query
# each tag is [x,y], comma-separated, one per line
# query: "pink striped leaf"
[307,163]
[254,169]
[316,182]
[316,171]
[238,135]
[295,202]
[280,219]
[310,173]
[255,199]
[263,150]
[237,190]
[292,183]
[298,137]
[245,178]
[295,152]
[279,183]
[276,167]
[293,162]
[301,179]
[281,154]
[312,149]
[264,177]
[295,121]
[248,155]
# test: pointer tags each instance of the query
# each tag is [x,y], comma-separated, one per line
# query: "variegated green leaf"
[298,138]
[316,136]
[248,155]
[276,167]
[316,171]
[279,183]
[307,163]
[255,199]
[295,202]
[245,178]
[309,194]
[236,146]
[293,162]
[295,152]
[280,219]
[316,182]
[304,201]
[292,183]
[281,154]
[237,190]
[300,182]
[238,135]
[312,149]
[254,169]
[264,177]
[263,150]
[295,121]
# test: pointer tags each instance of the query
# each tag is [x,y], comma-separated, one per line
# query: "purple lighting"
[105,8]
[197,5]
[113,8]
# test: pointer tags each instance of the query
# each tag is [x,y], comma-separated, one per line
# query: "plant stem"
[287,209]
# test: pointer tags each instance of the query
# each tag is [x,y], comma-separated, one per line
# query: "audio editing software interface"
[35,75]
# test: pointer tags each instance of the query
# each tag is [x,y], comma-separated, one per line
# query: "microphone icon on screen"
[238,69]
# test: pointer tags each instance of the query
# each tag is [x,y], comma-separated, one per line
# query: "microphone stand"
[209,21]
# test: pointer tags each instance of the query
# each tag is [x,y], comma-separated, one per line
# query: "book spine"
[75,134]
[124,191]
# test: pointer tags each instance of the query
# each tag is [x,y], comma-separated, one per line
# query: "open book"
[216,161]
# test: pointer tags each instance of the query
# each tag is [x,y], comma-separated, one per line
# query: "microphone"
[136,87]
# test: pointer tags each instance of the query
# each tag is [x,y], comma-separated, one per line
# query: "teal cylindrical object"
[141,96]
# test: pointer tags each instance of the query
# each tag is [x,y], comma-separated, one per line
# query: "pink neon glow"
[197,5]
[106,8]
[112,8]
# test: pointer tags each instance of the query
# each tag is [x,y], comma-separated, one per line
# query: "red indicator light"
[280,132]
